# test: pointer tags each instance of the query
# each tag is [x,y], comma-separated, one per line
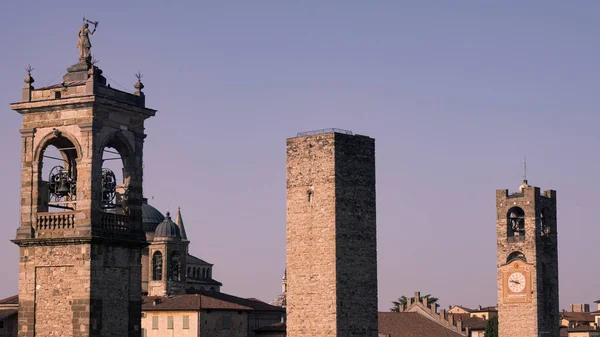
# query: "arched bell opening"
[57,174]
[516,256]
[157,266]
[544,223]
[175,267]
[515,223]
[116,175]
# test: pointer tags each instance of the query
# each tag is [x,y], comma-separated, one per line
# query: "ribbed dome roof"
[151,217]
[167,229]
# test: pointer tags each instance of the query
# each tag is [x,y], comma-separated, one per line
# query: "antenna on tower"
[525,169]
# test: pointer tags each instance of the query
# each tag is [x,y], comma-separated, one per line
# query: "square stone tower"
[527,263]
[80,238]
[331,235]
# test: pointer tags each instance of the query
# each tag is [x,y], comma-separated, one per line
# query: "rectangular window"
[226,322]
[169,322]
[186,322]
[144,333]
[154,322]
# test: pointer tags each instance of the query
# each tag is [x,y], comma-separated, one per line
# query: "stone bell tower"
[80,233]
[331,262]
[527,263]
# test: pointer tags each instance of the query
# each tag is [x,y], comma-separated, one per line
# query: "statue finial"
[138,85]
[84,45]
[28,79]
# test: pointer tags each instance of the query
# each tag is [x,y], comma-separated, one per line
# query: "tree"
[402,301]
[431,300]
[491,328]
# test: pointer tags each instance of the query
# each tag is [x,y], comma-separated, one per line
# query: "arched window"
[515,256]
[544,224]
[175,267]
[157,266]
[57,179]
[195,273]
[188,274]
[515,223]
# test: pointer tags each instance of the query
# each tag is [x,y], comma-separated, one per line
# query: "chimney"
[156,301]
[479,307]
[579,308]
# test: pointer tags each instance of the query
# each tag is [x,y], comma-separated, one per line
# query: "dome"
[151,217]
[167,229]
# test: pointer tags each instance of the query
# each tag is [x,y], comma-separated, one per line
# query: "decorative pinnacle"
[138,85]
[28,79]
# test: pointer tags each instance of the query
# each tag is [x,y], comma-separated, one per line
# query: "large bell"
[63,186]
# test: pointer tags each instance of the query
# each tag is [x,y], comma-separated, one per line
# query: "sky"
[455,93]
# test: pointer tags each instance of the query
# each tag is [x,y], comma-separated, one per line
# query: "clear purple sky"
[454,92]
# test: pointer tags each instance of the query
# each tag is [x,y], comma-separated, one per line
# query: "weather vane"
[525,168]
[139,75]
[29,69]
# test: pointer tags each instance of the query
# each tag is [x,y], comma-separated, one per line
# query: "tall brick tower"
[331,235]
[80,233]
[527,263]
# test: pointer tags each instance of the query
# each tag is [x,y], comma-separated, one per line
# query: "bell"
[63,187]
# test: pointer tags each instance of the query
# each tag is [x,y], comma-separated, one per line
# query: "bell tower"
[527,263]
[80,233]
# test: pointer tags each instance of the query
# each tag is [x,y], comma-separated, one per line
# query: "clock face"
[516,282]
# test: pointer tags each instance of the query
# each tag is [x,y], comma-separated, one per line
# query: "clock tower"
[527,263]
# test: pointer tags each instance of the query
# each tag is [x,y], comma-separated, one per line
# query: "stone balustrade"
[55,220]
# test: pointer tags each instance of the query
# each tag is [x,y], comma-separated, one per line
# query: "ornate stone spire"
[179,223]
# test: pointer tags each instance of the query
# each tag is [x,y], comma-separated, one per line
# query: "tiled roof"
[5,313]
[474,323]
[486,309]
[277,327]
[204,300]
[459,317]
[411,324]
[10,300]
[204,281]
[463,308]
[577,316]
[194,260]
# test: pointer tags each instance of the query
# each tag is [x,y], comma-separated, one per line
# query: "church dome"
[167,229]
[151,217]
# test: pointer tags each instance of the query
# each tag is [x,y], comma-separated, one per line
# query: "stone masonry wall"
[331,244]
[311,302]
[356,237]
[58,277]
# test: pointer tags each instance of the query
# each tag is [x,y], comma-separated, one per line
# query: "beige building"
[206,313]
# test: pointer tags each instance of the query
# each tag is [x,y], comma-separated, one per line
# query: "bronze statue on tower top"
[84,45]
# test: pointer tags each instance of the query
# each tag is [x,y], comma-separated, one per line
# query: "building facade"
[331,247]
[527,260]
